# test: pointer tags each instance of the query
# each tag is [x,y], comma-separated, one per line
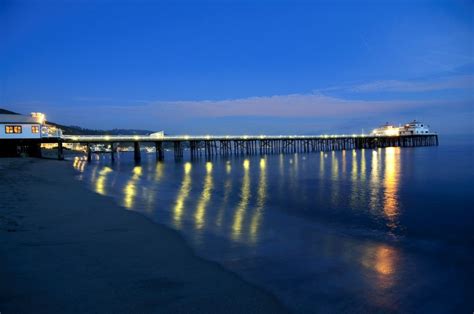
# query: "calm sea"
[385,230]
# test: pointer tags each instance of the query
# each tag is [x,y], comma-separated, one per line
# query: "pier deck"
[209,145]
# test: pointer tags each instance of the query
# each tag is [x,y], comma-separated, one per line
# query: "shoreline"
[67,249]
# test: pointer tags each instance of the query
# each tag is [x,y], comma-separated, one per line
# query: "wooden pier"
[208,146]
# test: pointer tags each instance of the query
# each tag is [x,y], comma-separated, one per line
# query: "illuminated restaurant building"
[21,134]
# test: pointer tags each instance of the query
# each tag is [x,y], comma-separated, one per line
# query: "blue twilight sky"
[240,66]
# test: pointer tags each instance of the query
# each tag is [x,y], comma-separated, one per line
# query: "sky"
[240,67]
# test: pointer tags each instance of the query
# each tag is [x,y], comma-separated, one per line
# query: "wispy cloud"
[107,100]
[293,105]
[409,86]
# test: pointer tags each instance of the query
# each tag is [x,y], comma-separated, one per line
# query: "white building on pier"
[414,128]
[411,128]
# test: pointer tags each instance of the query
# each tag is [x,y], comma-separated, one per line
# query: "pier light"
[208,137]
[186,137]
[136,137]
[107,138]
[245,137]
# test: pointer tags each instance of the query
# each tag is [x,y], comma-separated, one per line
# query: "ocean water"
[385,230]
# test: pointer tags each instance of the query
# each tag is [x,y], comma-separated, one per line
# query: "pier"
[211,145]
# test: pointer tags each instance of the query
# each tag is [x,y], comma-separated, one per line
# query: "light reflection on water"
[130,190]
[182,195]
[243,203]
[101,180]
[261,197]
[392,172]
[199,216]
[330,216]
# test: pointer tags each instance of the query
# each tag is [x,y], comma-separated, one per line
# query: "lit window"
[13,129]
[35,129]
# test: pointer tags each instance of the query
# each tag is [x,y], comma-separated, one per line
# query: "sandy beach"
[65,249]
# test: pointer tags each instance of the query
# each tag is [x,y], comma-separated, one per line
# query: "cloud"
[84,99]
[293,105]
[410,86]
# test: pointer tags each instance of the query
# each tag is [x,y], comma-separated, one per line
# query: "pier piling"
[159,151]
[89,153]
[112,151]
[136,152]
[60,150]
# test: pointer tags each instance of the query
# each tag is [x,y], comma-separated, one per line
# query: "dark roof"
[17,118]
[4,111]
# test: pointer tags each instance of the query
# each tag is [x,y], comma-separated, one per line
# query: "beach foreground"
[65,249]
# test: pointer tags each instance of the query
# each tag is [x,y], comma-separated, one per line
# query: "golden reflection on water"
[200,213]
[334,177]
[362,166]
[76,163]
[354,179]
[243,204]
[281,165]
[391,185]
[383,185]
[159,171]
[321,165]
[222,208]
[182,195]
[99,186]
[374,181]
[344,163]
[130,190]
[354,166]
[227,191]
[261,197]
[382,260]
[334,166]
[79,164]
[94,173]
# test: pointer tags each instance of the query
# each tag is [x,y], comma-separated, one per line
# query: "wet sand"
[64,249]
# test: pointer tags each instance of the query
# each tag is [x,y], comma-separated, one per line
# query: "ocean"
[384,230]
